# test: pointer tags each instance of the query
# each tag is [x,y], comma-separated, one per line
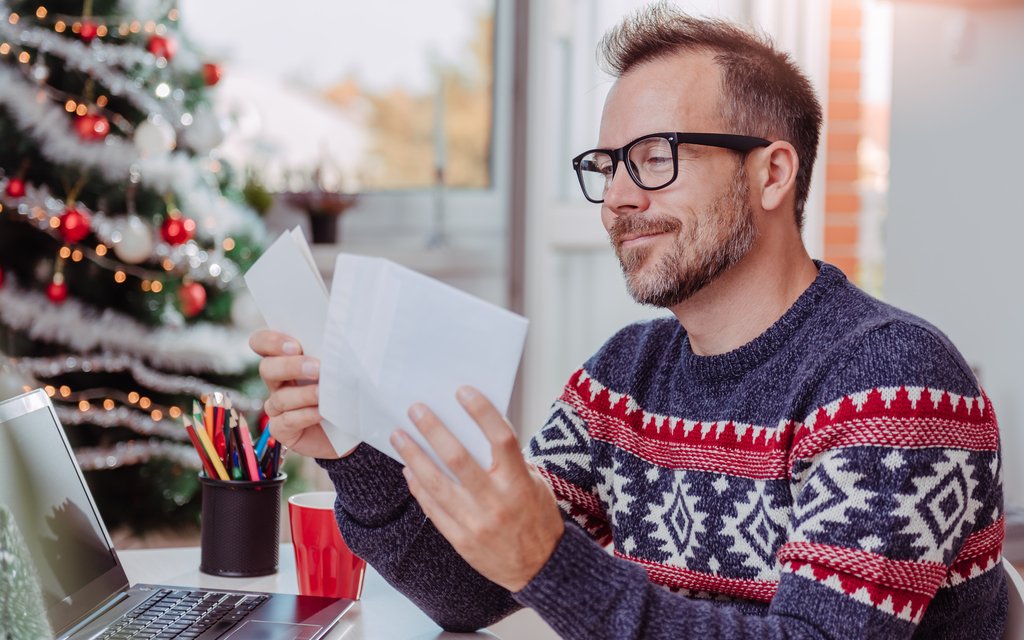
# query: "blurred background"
[439,135]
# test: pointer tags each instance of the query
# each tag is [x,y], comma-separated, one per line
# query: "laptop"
[85,591]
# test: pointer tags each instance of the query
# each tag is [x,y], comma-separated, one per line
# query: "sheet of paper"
[395,337]
[292,298]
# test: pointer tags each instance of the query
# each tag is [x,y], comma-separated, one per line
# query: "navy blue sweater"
[838,476]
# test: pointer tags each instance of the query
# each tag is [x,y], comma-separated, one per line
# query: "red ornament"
[57,291]
[16,188]
[162,46]
[88,31]
[74,226]
[92,127]
[1,277]
[192,298]
[177,230]
[211,73]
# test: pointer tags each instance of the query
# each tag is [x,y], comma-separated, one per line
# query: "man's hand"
[294,402]
[504,520]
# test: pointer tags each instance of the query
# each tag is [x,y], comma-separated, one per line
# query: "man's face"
[673,242]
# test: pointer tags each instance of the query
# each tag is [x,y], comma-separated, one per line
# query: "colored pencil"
[247,452]
[207,466]
[212,453]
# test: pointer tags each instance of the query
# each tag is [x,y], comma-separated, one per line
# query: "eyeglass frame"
[732,141]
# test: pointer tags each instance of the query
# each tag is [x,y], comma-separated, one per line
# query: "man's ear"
[778,164]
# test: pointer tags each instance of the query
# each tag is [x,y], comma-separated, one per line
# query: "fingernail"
[398,439]
[310,369]
[466,393]
[417,411]
[291,348]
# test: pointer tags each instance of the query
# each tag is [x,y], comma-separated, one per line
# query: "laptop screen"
[44,494]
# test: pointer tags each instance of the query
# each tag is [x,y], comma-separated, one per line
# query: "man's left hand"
[503,521]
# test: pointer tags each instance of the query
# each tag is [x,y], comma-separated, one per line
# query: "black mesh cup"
[240,528]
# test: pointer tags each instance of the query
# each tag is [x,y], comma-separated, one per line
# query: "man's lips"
[638,238]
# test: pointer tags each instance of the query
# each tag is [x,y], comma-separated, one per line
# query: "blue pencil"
[262,443]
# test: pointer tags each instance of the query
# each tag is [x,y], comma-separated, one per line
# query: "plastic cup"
[324,565]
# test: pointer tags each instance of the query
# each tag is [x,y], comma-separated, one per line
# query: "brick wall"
[843,127]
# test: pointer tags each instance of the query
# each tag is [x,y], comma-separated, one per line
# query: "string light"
[65,252]
[101,101]
[108,404]
[81,110]
[228,244]
[76,255]
[5,48]
[65,391]
[70,106]
[13,18]
[83,405]
[101,249]
[145,402]
[60,26]
[157,286]
[23,57]
[133,397]
[50,390]
[119,277]
[157,415]
[41,12]
[174,412]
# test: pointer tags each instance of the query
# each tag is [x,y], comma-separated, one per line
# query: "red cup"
[324,564]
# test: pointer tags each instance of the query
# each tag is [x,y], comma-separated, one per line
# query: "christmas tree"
[122,242]
[22,616]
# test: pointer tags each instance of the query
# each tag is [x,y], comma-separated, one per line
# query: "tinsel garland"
[22,613]
[122,416]
[135,452]
[47,123]
[202,347]
[98,60]
[144,375]
[213,268]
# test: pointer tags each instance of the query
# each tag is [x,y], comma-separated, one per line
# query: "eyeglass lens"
[651,164]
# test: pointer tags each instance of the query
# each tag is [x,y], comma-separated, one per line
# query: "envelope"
[395,337]
[292,298]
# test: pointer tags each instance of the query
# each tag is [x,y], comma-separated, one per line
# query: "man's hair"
[764,93]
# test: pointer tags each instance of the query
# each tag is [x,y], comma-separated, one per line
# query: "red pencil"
[247,451]
[207,466]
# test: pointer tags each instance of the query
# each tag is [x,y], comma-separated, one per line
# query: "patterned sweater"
[837,477]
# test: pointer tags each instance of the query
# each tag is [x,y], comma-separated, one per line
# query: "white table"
[381,614]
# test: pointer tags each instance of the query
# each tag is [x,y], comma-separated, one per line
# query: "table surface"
[381,614]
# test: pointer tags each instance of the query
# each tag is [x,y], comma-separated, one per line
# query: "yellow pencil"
[210,451]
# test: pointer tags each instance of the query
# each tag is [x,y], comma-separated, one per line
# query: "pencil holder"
[240,527]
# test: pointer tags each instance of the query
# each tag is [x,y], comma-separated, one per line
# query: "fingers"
[289,427]
[280,370]
[274,343]
[291,398]
[431,507]
[446,446]
[504,446]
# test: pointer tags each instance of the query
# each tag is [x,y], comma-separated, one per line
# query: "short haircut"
[764,93]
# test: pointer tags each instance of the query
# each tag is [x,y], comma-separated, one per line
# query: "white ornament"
[133,240]
[244,313]
[206,132]
[154,137]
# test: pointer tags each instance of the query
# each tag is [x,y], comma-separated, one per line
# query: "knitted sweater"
[838,476]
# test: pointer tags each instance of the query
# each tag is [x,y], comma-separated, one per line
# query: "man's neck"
[745,300]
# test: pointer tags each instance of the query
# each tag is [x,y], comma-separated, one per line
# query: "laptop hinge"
[89,619]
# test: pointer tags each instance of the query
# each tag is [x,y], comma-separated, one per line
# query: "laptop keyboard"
[181,613]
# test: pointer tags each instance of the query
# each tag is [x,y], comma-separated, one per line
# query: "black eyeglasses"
[652,161]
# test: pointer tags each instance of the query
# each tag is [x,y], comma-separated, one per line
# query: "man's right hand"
[294,403]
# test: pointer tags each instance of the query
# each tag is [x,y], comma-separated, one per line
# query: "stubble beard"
[712,242]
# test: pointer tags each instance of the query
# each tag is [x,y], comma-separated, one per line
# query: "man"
[786,457]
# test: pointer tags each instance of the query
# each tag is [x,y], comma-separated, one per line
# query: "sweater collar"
[736,363]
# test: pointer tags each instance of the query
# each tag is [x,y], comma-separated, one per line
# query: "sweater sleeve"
[896,495]
[383,524]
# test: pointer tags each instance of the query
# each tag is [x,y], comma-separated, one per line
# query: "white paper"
[395,337]
[292,298]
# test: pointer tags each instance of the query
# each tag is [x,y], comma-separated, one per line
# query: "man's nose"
[624,194]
